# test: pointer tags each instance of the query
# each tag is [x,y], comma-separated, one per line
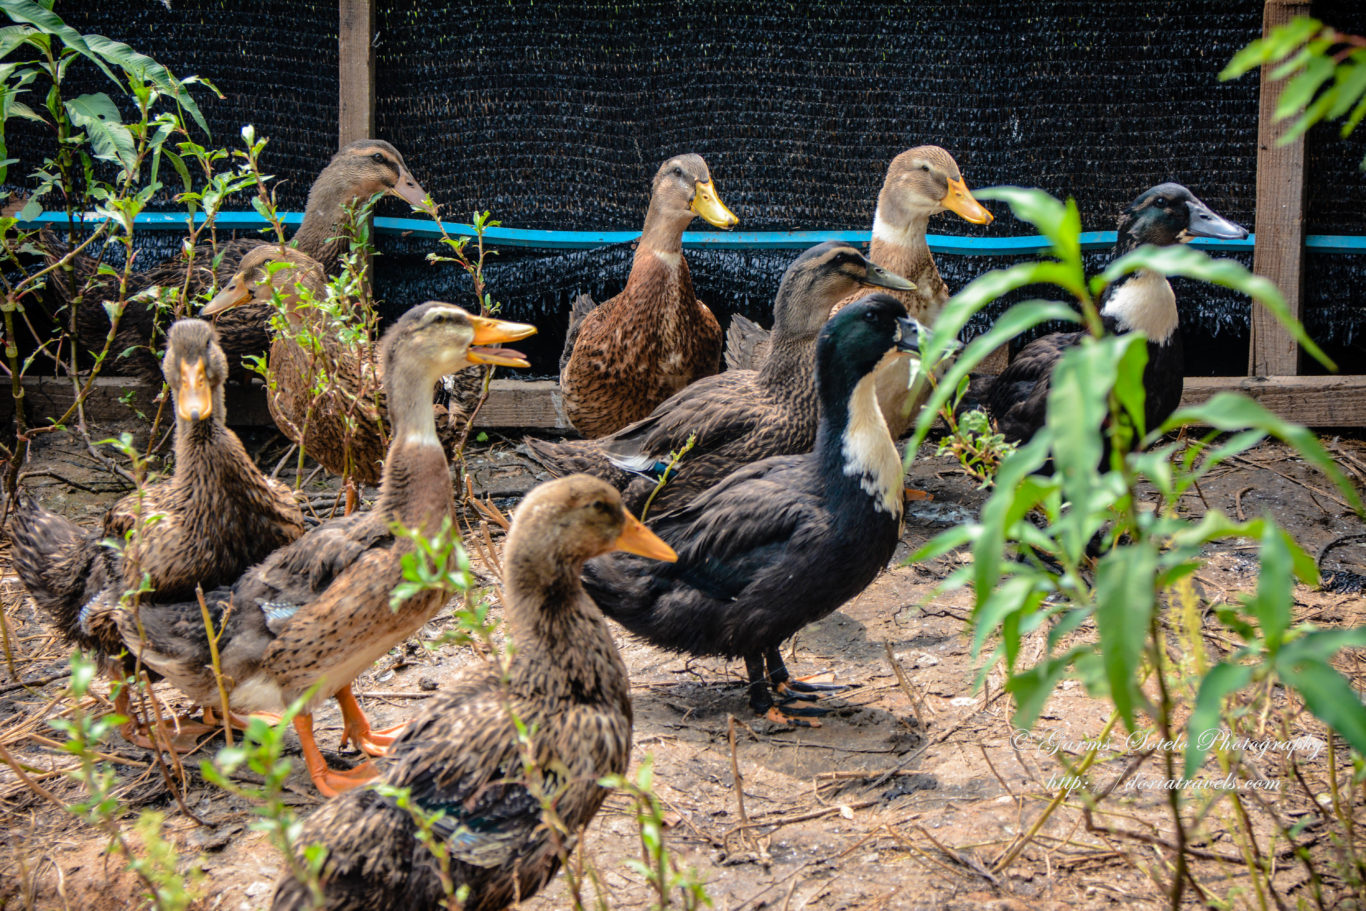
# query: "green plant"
[655,864]
[1054,585]
[1325,71]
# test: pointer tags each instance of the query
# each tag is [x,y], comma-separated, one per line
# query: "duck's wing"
[747,344]
[1018,397]
[297,573]
[717,410]
[581,307]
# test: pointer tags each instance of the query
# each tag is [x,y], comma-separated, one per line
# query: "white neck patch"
[1145,303]
[672,260]
[869,453]
[908,235]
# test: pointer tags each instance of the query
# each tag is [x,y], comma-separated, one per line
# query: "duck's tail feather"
[746,344]
[580,308]
[574,457]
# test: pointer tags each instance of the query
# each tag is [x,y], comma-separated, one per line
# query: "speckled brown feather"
[565,682]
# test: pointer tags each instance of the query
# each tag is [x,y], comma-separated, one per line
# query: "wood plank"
[356,82]
[1279,250]
[1314,401]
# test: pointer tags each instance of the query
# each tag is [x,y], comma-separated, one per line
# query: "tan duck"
[920,182]
[739,416]
[625,356]
[216,516]
[315,614]
[326,394]
[565,682]
[357,172]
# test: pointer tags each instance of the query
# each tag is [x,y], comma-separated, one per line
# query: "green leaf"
[1129,389]
[1322,644]
[1278,44]
[1221,680]
[110,140]
[1032,688]
[1272,601]
[1301,88]
[1329,696]
[1124,604]
[1229,411]
[1058,221]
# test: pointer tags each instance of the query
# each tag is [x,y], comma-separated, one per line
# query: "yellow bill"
[959,200]
[709,206]
[194,399]
[489,331]
[636,539]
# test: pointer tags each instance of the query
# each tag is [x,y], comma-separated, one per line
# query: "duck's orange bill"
[234,294]
[635,538]
[193,400]
[489,331]
[707,204]
[959,200]
[408,189]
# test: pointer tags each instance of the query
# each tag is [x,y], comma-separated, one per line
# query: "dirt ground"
[909,796]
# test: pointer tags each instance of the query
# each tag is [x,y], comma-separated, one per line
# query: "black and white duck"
[783,542]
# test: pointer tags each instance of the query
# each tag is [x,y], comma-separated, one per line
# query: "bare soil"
[909,796]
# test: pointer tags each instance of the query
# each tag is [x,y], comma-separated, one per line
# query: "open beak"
[234,294]
[489,331]
[408,189]
[884,278]
[908,335]
[635,538]
[1204,223]
[707,204]
[959,201]
[193,399]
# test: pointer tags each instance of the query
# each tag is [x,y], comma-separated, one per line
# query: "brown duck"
[325,394]
[920,182]
[463,756]
[735,417]
[625,356]
[317,613]
[216,516]
[357,172]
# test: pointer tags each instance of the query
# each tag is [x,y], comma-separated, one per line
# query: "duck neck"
[318,233]
[554,624]
[416,463]
[792,345]
[899,245]
[1142,302]
[855,447]
[208,459]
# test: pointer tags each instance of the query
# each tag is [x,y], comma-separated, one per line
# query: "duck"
[357,172]
[920,182]
[784,541]
[735,417]
[313,615]
[564,684]
[325,393]
[215,517]
[1142,301]
[625,356]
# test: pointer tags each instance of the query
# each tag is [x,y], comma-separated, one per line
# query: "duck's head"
[436,338]
[860,337]
[822,277]
[195,368]
[579,517]
[921,182]
[1170,214]
[263,272]
[364,168]
[683,189]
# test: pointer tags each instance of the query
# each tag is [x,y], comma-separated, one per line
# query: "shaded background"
[556,115]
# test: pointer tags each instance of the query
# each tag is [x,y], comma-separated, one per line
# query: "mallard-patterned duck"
[782,542]
[739,416]
[357,172]
[326,394]
[627,355]
[565,682]
[1139,302]
[216,516]
[317,613]
[920,182]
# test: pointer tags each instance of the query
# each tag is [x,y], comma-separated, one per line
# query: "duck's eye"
[1161,201]
[378,156]
[870,316]
[925,168]
[678,172]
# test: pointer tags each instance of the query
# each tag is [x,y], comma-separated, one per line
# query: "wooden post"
[356,83]
[1279,250]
